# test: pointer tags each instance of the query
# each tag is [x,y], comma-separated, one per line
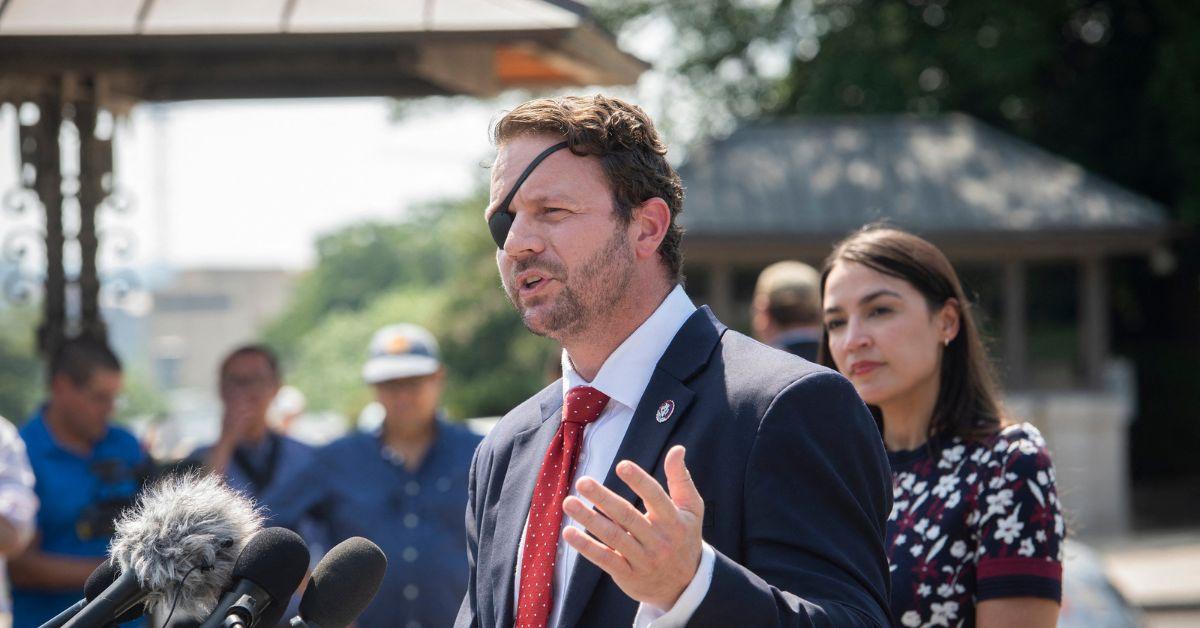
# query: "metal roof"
[214,17]
[830,175]
[196,49]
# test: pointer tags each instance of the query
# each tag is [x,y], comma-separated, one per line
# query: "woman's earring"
[946,342]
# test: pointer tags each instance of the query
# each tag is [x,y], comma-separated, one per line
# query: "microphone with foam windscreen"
[266,574]
[342,585]
[176,546]
[101,578]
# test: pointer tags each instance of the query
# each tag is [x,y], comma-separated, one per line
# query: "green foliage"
[356,264]
[328,362]
[436,268]
[140,397]
[20,368]
[22,383]
[1112,84]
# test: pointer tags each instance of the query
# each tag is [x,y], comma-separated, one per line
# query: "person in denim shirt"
[403,486]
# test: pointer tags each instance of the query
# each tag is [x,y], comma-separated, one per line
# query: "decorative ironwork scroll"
[66,152]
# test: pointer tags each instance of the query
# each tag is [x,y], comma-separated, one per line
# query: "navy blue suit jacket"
[789,462]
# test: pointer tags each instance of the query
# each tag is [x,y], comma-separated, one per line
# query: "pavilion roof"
[200,49]
[820,177]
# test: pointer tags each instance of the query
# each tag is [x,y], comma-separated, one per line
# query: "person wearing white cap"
[403,367]
[402,485]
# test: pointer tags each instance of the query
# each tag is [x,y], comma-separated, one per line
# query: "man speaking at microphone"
[582,509]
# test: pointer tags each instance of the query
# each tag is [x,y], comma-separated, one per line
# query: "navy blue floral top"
[972,522]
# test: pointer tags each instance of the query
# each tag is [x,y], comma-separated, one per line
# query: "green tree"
[1112,84]
[22,373]
[435,268]
[359,262]
[20,368]
[140,397]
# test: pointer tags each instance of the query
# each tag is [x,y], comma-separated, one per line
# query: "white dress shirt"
[624,377]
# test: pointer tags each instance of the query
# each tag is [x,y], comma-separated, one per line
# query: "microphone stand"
[239,608]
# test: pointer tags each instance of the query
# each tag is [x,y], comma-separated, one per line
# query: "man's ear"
[59,382]
[760,321]
[649,226]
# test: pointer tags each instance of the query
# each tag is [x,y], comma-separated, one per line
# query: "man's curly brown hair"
[632,155]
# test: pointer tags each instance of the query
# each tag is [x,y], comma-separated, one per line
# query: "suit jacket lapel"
[528,450]
[645,441]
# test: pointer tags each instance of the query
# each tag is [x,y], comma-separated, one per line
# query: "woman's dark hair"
[968,404]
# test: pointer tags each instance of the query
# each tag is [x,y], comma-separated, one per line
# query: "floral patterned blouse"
[972,521]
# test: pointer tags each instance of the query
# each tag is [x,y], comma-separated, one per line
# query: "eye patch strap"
[501,220]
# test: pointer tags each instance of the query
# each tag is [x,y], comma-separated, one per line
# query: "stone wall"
[1088,432]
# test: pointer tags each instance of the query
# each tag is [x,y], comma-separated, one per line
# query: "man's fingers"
[608,532]
[614,507]
[679,483]
[658,503]
[597,552]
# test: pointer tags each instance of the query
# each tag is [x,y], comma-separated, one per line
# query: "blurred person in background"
[86,471]
[786,310]
[403,485]
[975,535]
[252,457]
[18,507]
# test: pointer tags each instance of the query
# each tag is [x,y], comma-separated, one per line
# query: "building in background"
[201,314]
[195,318]
[1031,234]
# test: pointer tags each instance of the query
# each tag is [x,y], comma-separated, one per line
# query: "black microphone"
[267,571]
[175,546]
[342,585]
[97,582]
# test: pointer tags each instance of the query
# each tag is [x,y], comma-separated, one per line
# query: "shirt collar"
[626,373]
[39,437]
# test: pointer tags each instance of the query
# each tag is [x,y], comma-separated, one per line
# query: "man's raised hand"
[652,556]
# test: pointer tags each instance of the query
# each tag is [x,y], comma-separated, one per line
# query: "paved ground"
[1159,572]
[1173,619]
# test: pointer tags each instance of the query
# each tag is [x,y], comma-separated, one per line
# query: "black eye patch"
[499,224]
[501,220]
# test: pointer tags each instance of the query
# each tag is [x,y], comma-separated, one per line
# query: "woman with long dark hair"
[975,533]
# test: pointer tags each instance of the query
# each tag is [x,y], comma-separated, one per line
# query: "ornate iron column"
[51,180]
[47,163]
[95,164]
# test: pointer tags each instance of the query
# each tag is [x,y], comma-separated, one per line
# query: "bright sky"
[238,184]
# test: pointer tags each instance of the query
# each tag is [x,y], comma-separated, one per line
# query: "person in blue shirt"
[252,457]
[85,469]
[403,486]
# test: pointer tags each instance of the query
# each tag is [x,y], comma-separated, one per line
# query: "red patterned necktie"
[583,405]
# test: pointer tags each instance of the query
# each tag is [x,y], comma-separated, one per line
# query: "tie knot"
[584,405]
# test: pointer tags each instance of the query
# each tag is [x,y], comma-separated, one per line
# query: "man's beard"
[596,286]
